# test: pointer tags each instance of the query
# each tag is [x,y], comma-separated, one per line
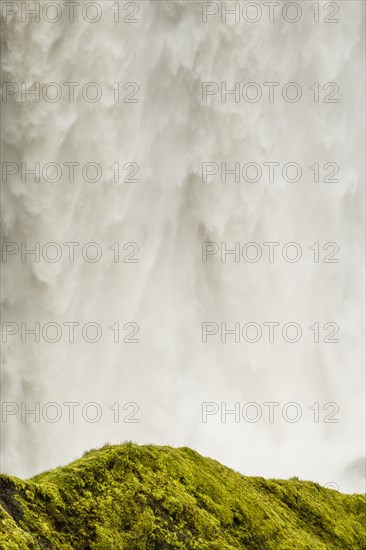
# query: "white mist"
[169,133]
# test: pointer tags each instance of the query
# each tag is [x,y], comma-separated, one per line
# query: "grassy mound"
[131,497]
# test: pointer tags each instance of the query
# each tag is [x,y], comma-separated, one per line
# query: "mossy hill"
[146,497]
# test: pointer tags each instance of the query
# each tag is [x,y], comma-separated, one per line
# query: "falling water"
[167,52]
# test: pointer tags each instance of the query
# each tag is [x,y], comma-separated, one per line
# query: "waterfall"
[140,111]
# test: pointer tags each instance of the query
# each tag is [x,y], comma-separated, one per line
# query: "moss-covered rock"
[146,497]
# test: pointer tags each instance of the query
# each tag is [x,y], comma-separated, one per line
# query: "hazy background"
[169,133]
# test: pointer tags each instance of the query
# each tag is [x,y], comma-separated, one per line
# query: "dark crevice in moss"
[8,490]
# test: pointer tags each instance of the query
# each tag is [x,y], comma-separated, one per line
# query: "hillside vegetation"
[147,497]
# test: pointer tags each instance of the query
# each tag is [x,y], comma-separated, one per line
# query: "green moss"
[148,497]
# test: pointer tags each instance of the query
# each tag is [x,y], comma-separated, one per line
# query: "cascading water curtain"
[182,234]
